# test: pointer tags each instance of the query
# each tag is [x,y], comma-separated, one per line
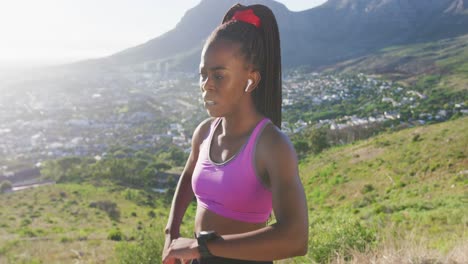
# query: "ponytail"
[261,48]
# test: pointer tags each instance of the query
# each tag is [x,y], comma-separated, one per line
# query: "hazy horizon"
[54,32]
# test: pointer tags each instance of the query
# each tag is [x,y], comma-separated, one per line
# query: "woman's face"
[223,77]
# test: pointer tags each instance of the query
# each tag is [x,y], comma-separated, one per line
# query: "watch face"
[207,235]
[204,233]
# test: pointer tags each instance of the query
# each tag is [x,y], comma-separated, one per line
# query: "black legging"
[219,260]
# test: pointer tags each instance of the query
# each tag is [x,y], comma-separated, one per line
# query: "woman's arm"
[183,194]
[288,237]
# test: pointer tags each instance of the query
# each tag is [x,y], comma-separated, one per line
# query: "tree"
[5,186]
[318,140]
[301,146]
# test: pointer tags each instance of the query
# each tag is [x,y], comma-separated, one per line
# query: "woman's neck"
[240,124]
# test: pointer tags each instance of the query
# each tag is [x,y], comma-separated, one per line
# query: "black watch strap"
[202,238]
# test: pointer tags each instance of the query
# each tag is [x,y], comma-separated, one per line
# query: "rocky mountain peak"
[335,31]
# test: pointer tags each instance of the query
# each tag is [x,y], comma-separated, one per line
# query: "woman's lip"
[209,102]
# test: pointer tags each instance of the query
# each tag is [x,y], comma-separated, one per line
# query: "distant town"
[139,110]
[312,91]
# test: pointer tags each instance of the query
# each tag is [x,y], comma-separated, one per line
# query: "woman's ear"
[253,81]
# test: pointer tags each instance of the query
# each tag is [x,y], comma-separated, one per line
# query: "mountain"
[345,29]
[181,46]
[444,61]
[330,33]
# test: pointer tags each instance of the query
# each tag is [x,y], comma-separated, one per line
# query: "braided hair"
[260,48]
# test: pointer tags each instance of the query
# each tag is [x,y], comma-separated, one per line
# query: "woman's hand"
[182,248]
[167,244]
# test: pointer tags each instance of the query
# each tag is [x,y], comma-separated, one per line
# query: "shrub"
[318,140]
[152,214]
[339,236]
[109,207]
[5,186]
[383,209]
[301,146]
[82,235]
[367,188]
[366,200]
[400,184]
[35,214]
[26,222]
[416,138]
[115,234]
[27,232]
[65,240]
[146,249]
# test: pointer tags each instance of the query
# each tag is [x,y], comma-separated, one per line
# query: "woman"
[241,166]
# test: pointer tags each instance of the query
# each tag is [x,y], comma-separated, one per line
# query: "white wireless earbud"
[249,82]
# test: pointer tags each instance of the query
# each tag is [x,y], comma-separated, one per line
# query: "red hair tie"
[247,16]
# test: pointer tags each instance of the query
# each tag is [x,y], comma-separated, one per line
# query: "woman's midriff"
[206,220]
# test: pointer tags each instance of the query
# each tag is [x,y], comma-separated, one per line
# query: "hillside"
[413,177]
[67,223]
[408,186]
[442,64]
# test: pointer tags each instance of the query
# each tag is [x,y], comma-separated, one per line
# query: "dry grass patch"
[51,251]
[398,251]
[366,153]
[408,252]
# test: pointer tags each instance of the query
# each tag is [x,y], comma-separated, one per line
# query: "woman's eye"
[218,77]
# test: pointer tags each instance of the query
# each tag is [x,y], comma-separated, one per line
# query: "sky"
[57,31]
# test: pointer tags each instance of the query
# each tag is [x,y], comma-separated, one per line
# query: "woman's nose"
[206,84]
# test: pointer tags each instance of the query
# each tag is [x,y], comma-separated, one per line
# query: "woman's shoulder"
[205,125]
[273,140]
[202,130]
[276,155]
[272,133]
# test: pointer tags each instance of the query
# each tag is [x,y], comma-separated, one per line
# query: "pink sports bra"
[232,189]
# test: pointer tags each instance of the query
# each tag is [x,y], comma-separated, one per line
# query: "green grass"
[413,180]
[404,185]
[49,222]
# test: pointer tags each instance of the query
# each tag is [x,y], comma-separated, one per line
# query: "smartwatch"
[202,238]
